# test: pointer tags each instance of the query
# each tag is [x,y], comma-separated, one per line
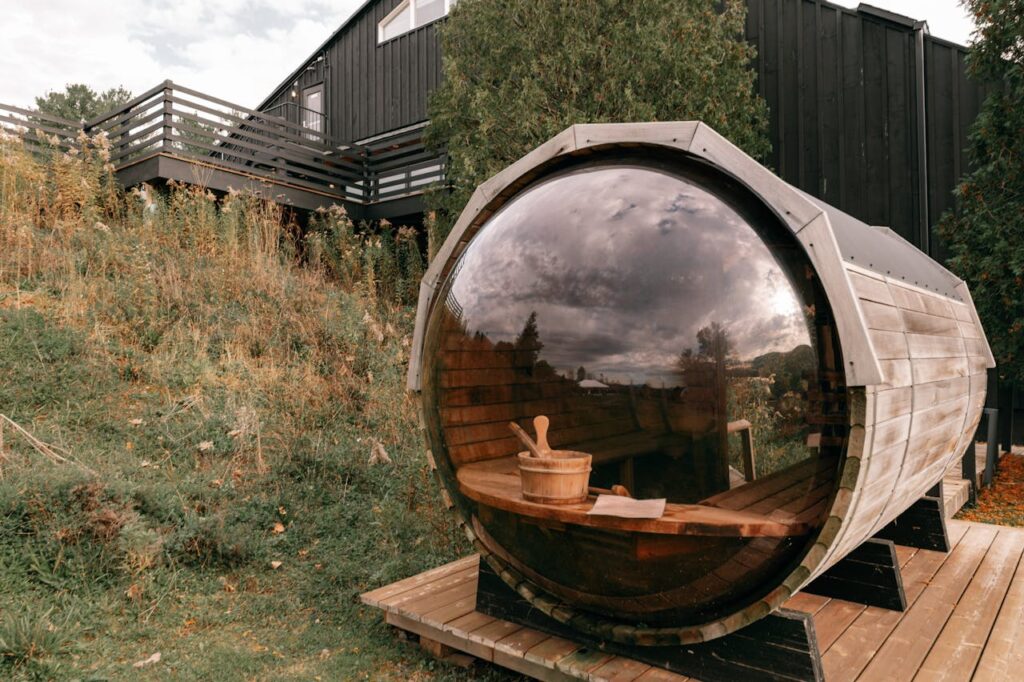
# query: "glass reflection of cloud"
[623,266]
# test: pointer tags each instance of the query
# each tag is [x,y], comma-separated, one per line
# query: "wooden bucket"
[562,478]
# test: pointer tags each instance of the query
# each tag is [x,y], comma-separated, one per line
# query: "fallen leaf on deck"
[275,565]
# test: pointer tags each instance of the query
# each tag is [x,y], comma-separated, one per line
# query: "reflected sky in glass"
[624,265]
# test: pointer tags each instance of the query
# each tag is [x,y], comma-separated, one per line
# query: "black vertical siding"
[841,89]
[953,103]
[840,85]
[845,118]
[371,88]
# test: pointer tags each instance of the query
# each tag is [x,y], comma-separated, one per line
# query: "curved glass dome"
[667,325]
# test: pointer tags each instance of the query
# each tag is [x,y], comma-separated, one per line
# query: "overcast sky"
[235,49]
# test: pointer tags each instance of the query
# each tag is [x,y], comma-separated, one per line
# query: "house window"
[411,14]
[313,109]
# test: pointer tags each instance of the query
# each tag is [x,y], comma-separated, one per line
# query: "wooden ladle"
[540,425]
[540,447]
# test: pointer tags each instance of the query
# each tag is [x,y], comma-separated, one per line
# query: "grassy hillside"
[194,396]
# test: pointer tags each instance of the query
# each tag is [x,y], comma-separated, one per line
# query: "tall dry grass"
[224,376]
[224,282]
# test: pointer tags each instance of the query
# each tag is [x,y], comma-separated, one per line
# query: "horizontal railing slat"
[242,133]
[28,125]
[424,157]
[262,153]
[270,127]
[129,105]
[326,180]
[122,120]
[50,118]
[117,133]
[277,120]
[33,140]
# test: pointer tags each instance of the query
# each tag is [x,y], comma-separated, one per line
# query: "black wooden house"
[868,111]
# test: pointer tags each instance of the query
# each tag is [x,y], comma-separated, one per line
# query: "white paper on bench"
[627,507]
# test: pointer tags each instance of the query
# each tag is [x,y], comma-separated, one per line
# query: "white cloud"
[235,49]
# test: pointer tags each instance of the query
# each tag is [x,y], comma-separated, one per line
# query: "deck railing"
[38,130]
[184,123]
[399,164]
[176,121]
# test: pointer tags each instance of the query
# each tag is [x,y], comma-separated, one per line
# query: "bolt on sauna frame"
[789,378]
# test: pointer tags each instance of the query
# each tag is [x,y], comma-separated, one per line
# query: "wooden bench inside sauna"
[619,427]
[669,304]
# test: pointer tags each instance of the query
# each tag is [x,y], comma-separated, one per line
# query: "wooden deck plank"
[552,650]
[904,554]
[531,669]
[440,584]
[659,675]
[464,605]
[833,620]
[583,661]
[421,605]
[382,594]
[469,622]
[806,602]
[492,632]
[957,650]
[849,654]
[520,641]
[620,669]
[482,651]
[908,644]
[1003,655]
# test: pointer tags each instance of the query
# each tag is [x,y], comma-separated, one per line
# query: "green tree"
[516,73]
[79,102]
[985,234]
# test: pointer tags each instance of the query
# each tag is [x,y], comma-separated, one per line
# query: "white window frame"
[321,122]
[411,5]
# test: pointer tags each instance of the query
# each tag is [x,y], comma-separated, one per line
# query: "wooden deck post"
[168,130]
[991,445]
[969,469]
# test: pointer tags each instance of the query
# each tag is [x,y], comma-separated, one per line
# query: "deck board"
[1003,654]
[964,621]
[955,653]
[848,656]
[909,643]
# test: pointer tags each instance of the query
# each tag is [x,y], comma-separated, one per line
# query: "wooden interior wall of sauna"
[484,386]
[925,413]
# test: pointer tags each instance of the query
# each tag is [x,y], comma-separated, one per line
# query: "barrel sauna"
[788,378]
